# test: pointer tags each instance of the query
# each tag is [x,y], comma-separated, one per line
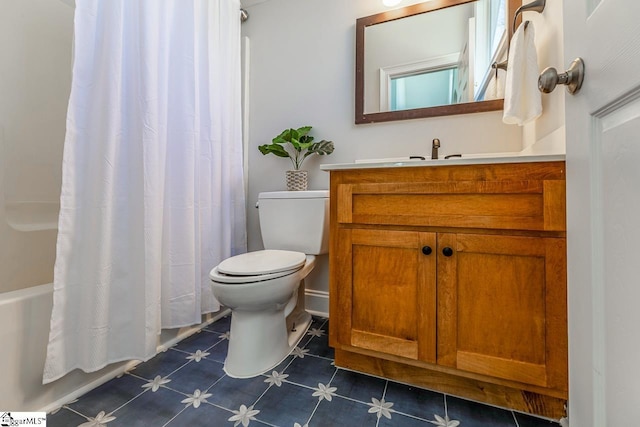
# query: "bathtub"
[24,332]
[27,254]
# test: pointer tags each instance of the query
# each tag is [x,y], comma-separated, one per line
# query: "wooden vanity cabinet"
[501,307]
[388,288]
[454,278]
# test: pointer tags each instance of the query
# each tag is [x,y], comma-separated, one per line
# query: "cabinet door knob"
[447,251]
[427,250]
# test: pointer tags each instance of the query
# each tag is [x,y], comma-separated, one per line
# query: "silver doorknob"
[572,78]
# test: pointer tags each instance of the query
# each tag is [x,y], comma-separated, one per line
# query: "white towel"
[522,99]
[495,87]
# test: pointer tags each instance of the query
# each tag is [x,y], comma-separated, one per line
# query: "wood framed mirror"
[431,59]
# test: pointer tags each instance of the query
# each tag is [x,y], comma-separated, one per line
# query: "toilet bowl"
[265,289]
[267,319]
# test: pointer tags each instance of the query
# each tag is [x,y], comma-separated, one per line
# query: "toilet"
[265,289]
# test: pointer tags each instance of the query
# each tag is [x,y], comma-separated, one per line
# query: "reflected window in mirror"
[430,59]
[426,88]
[491,44]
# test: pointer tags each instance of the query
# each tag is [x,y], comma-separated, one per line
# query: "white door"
[603,196]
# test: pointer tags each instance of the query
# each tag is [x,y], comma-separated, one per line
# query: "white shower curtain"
[152,193]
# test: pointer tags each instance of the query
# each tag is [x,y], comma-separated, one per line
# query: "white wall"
[35,80]
[302,72]
[35,65]
[548,129]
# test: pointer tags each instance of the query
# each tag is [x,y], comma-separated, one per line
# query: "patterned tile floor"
[186,386]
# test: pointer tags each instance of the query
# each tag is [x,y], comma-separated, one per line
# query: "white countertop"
[470,159]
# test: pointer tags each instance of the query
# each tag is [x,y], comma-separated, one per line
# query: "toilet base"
[264,340]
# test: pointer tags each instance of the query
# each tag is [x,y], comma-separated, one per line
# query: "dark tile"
[529,421]
[195,375]
[221,325]
[472,414]
[65,418]
[358,386]
[404,421]
[230,393]
[319,345]
[202,341]
[415,401]
[109,396]
[310,371]
[162,364]
[319,323]
[203,416]
[219,351]
[149,409]
[292,402]
[316,323]
[304,341]
[286,405]
[341,412]
[282,367]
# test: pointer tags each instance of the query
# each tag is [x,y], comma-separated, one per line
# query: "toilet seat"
[258,266]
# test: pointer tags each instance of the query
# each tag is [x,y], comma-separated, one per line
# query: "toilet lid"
[262,262]
[229,279]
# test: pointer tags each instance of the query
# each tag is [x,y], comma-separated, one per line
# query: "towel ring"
[534,6]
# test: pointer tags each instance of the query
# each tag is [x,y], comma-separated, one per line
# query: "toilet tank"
[295,220]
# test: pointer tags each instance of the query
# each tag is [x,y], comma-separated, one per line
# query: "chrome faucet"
[434,149]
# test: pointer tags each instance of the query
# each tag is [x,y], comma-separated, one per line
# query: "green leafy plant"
[297,145]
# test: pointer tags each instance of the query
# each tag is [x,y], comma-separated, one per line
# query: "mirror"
[431,59]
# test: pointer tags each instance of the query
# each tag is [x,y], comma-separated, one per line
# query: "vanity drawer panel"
[514,205]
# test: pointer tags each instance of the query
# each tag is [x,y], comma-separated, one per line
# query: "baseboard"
[317,302]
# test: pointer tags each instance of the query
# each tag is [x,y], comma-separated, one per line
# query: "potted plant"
[297,145]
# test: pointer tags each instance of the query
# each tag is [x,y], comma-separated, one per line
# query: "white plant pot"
[297,180]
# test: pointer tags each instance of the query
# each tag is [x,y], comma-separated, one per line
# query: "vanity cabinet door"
[502,307]
[387,293]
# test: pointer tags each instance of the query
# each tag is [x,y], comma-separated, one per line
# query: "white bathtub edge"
[70,397]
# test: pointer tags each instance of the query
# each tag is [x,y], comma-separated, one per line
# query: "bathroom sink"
[414,159]
[421,159]
[393,160]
